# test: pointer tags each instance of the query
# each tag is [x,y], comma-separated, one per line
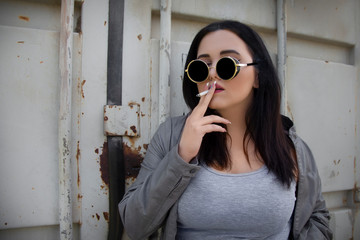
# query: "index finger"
[205,101]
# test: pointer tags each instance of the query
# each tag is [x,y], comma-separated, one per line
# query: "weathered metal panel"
[31,14]
[322,87]
[93,145]
[342,223]
[331,20]
[321,100]
[28,149]
[258,13]
[29,103]
[137,87]
[179,53]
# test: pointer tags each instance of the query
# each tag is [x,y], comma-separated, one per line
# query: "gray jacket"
[151,201]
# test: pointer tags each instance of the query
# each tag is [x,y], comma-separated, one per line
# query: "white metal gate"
[322,87]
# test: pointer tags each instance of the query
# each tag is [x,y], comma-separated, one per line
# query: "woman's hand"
[197,125]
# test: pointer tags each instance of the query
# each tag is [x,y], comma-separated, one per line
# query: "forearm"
[147,202]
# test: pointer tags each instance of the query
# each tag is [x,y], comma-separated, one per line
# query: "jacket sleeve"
[163,177]
[311,219]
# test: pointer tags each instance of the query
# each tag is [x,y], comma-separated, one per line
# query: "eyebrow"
[221,53]
[229,51]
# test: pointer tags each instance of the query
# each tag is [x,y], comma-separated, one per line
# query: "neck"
[237,128]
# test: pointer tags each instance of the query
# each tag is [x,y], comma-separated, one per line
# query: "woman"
[233,168]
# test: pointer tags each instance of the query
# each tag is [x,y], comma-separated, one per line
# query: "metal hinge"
[122,120]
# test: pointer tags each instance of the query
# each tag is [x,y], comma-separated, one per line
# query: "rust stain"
[106,118]
[131,104]
[143,99]
[97,151]
[107,133]
[79,196]
[133,128]
[104,164]
[105,23]
[78,154]
[106,216]
[82,88]
[145,146]
[20,42]
[24,18]
[133,159]
[354,191]
[139,37]
[41,62]
[97,216]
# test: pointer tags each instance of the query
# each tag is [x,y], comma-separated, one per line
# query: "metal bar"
[164,62]
[114,97]
[65,64]
[281,50]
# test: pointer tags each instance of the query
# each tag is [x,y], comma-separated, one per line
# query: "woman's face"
[237,92]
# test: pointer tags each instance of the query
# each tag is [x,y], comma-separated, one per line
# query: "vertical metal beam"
[114,97]
[164,63]
[64,124]
[281,50]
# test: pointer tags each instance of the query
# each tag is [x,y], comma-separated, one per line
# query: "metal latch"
[122,120]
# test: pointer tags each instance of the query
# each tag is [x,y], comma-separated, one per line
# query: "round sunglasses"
[226,68]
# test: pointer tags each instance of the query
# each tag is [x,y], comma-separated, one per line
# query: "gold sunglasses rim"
[235,61]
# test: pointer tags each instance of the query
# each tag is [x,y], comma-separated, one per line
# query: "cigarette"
[202,93]
[206,91]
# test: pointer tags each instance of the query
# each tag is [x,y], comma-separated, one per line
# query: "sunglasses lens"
[198,71]
[226,68]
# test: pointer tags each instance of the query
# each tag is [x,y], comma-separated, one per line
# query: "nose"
[212,73]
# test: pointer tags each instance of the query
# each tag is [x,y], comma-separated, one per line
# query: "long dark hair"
[263,118]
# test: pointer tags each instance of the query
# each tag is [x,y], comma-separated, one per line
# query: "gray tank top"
[251,205]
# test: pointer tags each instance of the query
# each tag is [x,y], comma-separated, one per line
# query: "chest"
[251,203]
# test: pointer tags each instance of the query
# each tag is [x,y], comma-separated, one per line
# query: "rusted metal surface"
[122,120]
[104,164]
[78,154]
[133,159]
[65,62]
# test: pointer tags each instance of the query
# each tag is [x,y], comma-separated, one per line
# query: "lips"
[218,88]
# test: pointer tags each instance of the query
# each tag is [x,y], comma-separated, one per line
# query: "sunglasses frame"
[237,65]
